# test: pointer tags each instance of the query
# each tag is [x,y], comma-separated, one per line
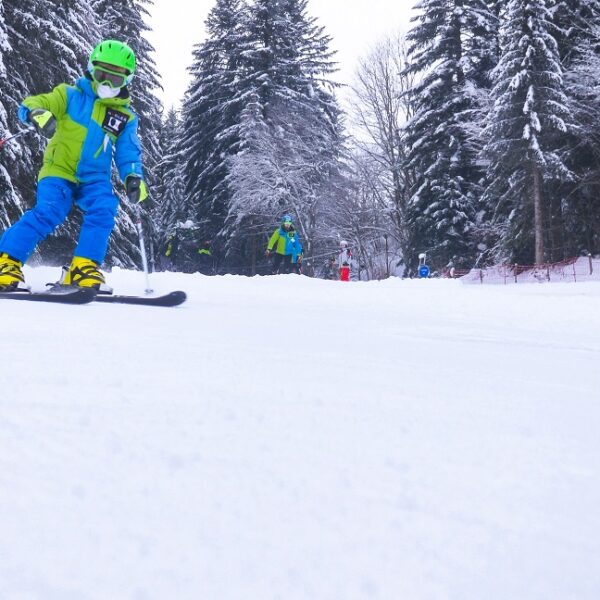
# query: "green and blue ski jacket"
[89,130]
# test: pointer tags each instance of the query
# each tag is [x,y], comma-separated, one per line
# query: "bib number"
[114,122]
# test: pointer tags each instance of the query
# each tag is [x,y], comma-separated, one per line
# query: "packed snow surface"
[298,439]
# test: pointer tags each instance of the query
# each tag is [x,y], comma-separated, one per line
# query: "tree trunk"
[538,214]
[254,250]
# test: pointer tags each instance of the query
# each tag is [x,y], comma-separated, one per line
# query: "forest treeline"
[474,137]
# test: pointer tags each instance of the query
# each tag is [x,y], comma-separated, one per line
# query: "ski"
[171,299]
[66,296]
[70,295]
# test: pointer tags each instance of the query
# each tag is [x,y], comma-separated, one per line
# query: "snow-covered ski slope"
[296,439]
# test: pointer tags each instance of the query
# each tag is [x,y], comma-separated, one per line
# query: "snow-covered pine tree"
[125,20]
[49,41]
[482,45]
[170,188]
[526,129]
[10,205]
[211,116]
[482,53]
[576,22]
[64,27]
[290,128]
[442,151]
[575,215]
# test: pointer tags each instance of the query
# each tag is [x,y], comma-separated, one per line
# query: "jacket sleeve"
[128,151]
[344,258]
[54,101]
[273,239]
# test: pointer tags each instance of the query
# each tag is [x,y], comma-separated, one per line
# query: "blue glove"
[24,114]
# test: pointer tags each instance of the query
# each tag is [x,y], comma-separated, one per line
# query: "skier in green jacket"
[285,244]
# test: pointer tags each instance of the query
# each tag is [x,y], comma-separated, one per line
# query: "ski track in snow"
[288,438]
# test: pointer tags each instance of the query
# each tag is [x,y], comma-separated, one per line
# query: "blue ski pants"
[55,197]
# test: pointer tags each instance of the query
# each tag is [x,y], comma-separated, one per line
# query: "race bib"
[114,122]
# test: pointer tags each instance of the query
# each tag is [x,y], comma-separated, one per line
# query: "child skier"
[296,249]
[87,124]
[287,247]
[344,261]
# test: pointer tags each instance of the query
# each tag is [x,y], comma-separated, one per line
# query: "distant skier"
[296,249]
[87,123]
[170,252]
[284,244]
[344,261]
[206,261]
[329,269]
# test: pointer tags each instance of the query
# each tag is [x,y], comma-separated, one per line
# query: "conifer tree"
[575,29]
[65,27]
[527,126]
[10,201]
[171,186]
[211,115]
[442,149]
[291,123]
[482,46]
[575,209]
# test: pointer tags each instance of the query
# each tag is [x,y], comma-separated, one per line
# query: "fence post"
[548,272]
[481,275]
[516,272]
[591,264]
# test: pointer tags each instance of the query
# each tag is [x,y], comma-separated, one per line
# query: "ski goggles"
[105,76]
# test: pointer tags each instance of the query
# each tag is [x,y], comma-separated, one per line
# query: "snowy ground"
[296,439]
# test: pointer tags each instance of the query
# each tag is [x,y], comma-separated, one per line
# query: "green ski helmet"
[112,53]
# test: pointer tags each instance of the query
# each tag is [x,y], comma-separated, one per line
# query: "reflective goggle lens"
[115,80]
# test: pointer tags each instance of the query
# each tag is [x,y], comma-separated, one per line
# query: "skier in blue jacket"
[294,247]
[89,124]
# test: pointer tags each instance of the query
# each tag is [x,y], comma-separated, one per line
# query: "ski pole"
[138,226]
[15,136]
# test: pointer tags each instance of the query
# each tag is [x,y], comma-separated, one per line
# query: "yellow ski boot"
[10,273]
[83,272]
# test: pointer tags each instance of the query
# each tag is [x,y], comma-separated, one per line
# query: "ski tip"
[171,299]
[178,297]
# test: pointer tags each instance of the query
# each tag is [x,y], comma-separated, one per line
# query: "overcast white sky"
[354,25]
